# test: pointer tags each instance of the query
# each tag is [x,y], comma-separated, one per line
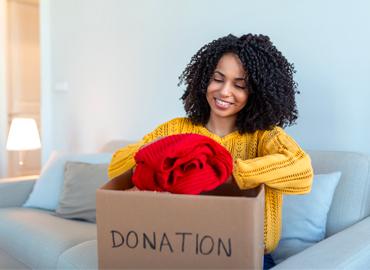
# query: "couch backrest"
[113,146]
[351,201]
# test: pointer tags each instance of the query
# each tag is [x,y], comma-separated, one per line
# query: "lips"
[222,104]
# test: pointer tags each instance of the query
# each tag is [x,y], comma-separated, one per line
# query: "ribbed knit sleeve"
[123,159]
[281,164]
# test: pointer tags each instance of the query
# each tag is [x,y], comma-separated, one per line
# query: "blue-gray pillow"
[304,217]
[81,180]
[47,189]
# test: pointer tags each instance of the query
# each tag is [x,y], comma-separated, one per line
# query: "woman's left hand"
[230,180]
[134,188]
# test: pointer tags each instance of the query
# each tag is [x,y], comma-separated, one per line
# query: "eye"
[217,80]
[240,86]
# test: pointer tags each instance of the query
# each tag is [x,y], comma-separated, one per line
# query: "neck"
[221,126]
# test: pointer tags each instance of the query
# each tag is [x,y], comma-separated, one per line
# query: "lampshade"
[23,135]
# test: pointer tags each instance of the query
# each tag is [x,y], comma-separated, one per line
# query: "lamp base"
[20,158]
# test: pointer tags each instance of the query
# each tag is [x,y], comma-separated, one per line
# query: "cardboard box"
[144,229]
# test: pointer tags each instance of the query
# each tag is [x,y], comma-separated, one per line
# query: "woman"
[241,93]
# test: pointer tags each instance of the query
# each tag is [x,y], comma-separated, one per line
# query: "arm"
[15,191]
[281,165]
[348,249]
[123,160]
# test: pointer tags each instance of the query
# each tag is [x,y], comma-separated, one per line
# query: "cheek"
[209,94]
[212,87]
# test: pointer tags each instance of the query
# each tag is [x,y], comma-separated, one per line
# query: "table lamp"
[23,135]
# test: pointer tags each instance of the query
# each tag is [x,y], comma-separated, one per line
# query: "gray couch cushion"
[37,238]
[351,202]
[14,191]
[82,256]
[8,262]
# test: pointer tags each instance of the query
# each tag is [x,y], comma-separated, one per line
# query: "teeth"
[222,103]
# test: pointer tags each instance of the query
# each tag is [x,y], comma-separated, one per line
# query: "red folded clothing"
[183,164]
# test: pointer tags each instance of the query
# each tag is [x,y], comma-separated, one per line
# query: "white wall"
[120,61]
[3,88]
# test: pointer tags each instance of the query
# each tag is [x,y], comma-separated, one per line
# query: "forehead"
[230,65]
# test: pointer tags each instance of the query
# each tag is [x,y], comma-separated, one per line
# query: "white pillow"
[304,217]
[47,189]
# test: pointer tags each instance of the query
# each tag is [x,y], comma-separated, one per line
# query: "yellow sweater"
[268,157]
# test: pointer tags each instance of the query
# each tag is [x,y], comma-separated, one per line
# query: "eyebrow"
[223,75]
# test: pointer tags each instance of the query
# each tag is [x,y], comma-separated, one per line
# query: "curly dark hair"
[269,80]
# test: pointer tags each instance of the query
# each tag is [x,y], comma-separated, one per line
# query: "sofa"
[37,239]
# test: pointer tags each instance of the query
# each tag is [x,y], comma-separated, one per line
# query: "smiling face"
[227,93]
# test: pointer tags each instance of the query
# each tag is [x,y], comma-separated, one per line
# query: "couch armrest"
[348,249]
[14,191]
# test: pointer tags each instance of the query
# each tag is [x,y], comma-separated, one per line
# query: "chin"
[224,114]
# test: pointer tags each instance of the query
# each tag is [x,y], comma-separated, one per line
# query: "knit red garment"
[183,164]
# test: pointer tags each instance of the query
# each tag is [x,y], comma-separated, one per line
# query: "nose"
[225,90]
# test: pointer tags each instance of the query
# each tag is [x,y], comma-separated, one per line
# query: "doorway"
[20,89]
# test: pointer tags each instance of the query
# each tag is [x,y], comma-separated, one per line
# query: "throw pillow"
[47,189]
[304,217]
[81,180]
